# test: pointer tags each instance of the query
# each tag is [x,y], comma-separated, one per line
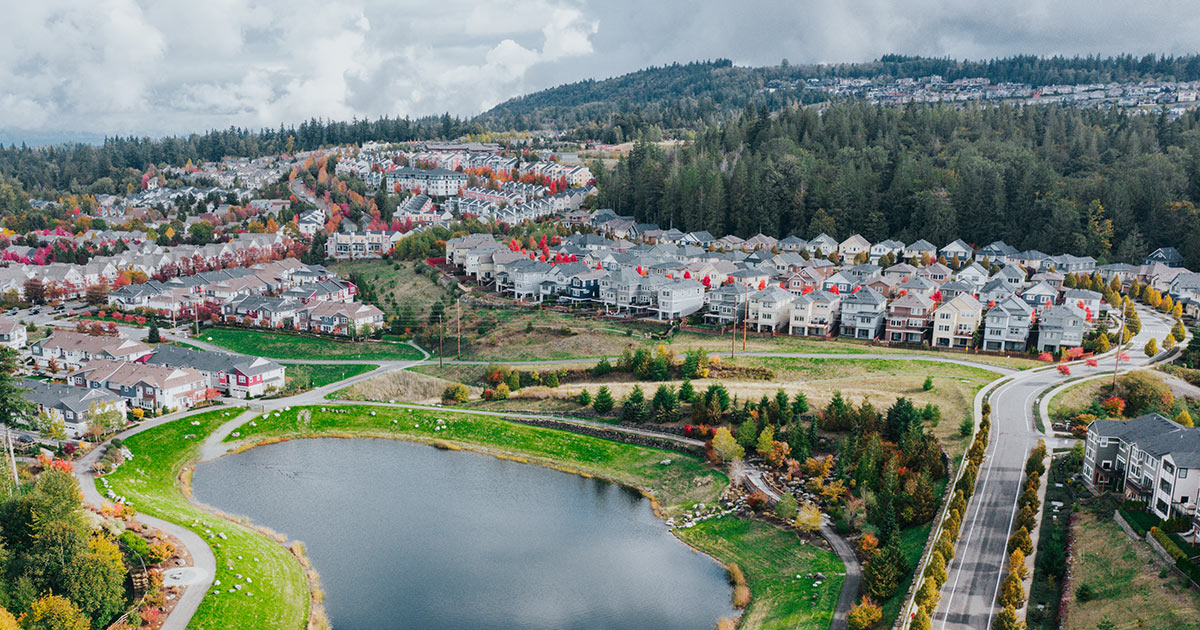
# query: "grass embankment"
[278,596]
[303,377]
[684,481]
[1129,586]
[1073,399]
[771,558]
[292,346]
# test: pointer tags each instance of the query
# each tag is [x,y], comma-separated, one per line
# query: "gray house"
[1006,325]
[1061,327]
[1149,458]
[863,314]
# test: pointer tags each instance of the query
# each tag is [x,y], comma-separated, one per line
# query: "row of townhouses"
[1016,302]
[1149,459]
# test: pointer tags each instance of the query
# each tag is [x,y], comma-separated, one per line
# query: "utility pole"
[441,338]
[458,302]
[12,458]
[1120,342]
[746,321]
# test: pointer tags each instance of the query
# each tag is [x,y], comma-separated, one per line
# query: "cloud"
[142,67]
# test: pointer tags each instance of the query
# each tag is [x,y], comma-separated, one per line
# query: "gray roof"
[177,356]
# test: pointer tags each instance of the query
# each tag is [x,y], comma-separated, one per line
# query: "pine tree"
[604,400]
[633,409]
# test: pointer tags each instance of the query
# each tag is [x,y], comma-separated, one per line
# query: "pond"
[407,536]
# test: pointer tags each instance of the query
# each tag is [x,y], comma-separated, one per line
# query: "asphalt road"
[969,595]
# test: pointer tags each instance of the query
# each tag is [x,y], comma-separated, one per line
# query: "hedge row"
[943,550]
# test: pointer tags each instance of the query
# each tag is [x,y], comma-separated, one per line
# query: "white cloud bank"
[146,67]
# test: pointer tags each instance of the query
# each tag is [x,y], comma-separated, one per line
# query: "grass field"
[771,558]
[879,380]
[289,346]
[684,481]
[401,385]
[149,481]
[304,377]
[1131,590]
[1074,398]
[395,286]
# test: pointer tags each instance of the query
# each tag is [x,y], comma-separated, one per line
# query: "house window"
[1168,468]
[1183,473]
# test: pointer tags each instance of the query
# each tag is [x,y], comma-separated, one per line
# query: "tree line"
[1086,182]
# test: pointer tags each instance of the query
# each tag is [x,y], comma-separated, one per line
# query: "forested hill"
[703,93]
[1104,184]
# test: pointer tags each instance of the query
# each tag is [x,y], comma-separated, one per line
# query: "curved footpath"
[968,599]
[853,579]
[214,446]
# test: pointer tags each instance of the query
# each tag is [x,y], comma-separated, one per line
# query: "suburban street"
[969,595]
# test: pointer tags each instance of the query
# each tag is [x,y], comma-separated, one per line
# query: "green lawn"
[149,481]
[771,558]
[684,481]
[304,377]
[290,346]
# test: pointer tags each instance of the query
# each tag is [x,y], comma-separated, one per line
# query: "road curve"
[968,599]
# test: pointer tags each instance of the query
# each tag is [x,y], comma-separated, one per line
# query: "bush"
[584,398]
[786,508]
[928,384]
[1085,593]
[456,394]
[864,615]
[966,426]
[1169,545]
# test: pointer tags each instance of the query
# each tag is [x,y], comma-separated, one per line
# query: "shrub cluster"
[1012,591]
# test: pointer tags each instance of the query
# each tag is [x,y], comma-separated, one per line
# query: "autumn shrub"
[864,615]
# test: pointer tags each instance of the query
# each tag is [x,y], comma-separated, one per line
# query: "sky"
[81,69]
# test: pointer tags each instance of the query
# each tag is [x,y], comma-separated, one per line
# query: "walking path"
[839,545]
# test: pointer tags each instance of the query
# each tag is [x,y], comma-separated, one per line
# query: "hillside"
[698,94]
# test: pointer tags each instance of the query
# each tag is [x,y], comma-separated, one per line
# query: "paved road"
[969,595]
[845,553]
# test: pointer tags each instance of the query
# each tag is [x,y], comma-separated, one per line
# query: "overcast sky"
[152,68]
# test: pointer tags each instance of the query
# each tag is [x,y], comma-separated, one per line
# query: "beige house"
[815,314]
[955,322]
[771,308]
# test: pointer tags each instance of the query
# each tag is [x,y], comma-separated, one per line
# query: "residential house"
[995,291]
[1060,327]
[901,272]
[1090,302]
[815,314]
[920,250]
[793,244]
[852,247]
[73,406]
[144,386]
[12,333]
[1040,296]
[973,274]
[839,283]
[996,252]
[955,322]
[677,299]
[71,349]
[909,319]
[727,304]
[863,314]
[770,308]
[958,248]
[1168,256]
[822,246]
[885,248]
[1149,459]
[936,273]
[1006,325]
[339,318]
[233,375]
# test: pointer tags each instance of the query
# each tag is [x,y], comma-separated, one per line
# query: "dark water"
[406,536]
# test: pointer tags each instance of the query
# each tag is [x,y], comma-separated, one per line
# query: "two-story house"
[770,308]
[863,314]
[815,314]
[909,319]
[955,322]
[74,406]
[144,386]
[1006,325]
[234,375]
[1060,327]
[727,304]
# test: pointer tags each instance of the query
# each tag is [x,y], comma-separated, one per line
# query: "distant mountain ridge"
[696,94]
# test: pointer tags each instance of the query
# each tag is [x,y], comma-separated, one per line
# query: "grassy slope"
[771,558]
[149,482]
[1077,396]
[287,346]
[318,375]
[1125,577]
